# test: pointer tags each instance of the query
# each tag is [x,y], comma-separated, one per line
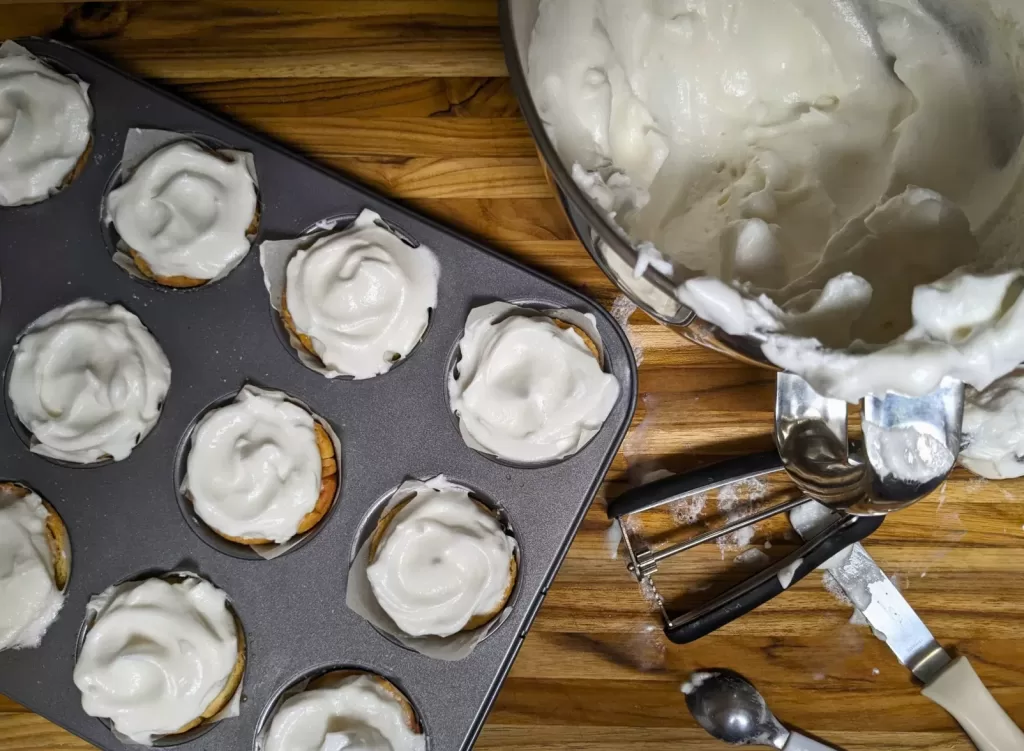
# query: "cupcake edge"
[184,282]
[409,715]
[56,532]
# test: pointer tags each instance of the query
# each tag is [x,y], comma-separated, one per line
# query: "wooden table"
[412,97]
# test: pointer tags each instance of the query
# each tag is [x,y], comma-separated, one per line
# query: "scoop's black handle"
[765,585]
[653,494]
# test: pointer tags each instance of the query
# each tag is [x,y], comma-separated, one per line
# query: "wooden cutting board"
[412,97]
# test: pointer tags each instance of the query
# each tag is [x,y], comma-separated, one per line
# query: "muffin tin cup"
[63,542]
[287,248]
[23,432]
[360,598]
[10,47]
[499,311]
[275,255]
[124,517]
[99,601]
[267,551]
[139,145]
[301,682]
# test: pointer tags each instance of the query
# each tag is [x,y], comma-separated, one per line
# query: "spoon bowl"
[728,706]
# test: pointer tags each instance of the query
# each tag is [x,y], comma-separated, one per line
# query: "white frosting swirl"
[88,381]
[254,469]
[527,390]
[157,655]
[45,121]
[28,590]
[442,560]
[186,210]
[354,712]
[363,296]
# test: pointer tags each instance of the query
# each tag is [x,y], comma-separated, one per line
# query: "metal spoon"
[729,707]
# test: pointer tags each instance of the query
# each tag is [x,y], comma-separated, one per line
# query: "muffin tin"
[123,517]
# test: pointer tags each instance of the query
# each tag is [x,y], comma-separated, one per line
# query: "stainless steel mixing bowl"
[999,101]
[612,252]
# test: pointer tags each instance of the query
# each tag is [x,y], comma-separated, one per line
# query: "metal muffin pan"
[123,517]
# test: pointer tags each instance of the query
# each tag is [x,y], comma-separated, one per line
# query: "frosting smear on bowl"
[993,429]
[839,180]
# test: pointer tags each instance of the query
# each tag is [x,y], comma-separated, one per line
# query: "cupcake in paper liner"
[529,386]
[354,301]
[438,570]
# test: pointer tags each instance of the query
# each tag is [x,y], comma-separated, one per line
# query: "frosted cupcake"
[441,563]
[528,388]
[88,382]
[161,657]
[35,563]
[261,469]
[346,709]
[45,127]
[359,300]
[187,214]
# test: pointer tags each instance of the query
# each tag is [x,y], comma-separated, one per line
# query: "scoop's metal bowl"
[654,292]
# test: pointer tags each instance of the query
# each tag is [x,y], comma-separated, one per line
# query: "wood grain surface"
[411,97]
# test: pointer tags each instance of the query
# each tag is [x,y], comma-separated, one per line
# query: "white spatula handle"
[959,691]
[799,742]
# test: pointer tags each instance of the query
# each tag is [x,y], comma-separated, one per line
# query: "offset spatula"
[950,683]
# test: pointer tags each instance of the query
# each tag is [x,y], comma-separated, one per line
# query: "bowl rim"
[597,219]
[580,206]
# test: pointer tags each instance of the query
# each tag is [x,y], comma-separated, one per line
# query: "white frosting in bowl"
[993,429]
[28,589]
[352,712]
[442,560]
[186,210]
[45,122]
[88,381]
[839,180]
[157,656]
[527,390]
[254,469]
[363,296]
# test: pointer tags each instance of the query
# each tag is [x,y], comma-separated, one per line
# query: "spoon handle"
[959,691]
[800,742]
